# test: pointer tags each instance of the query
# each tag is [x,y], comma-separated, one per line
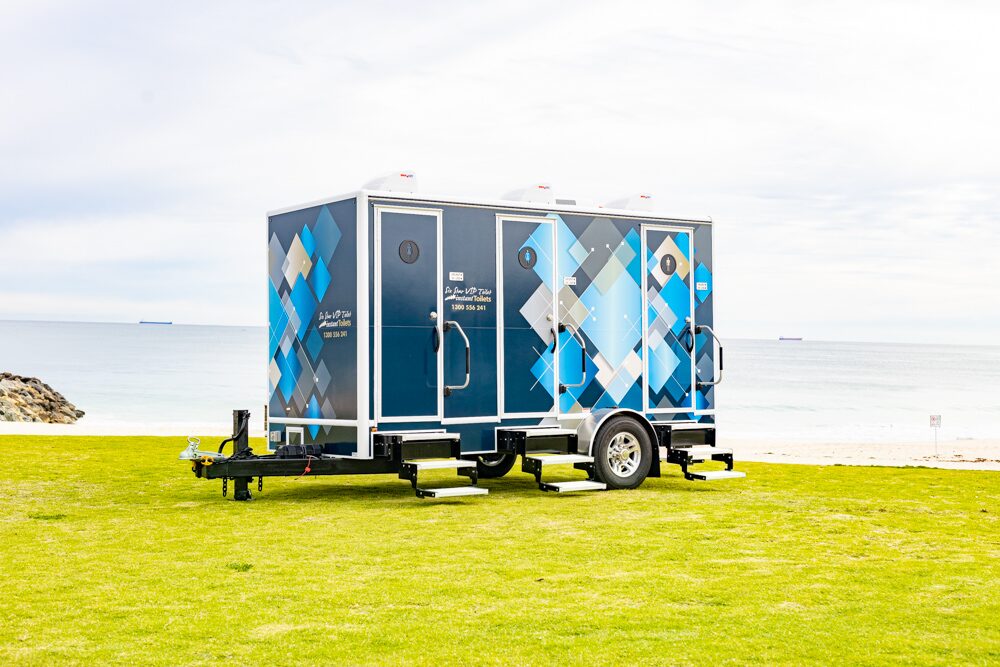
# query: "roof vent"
[397,181]
[540,193]
[637,202]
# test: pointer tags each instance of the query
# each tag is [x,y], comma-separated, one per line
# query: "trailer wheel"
[491,466]
[623,453]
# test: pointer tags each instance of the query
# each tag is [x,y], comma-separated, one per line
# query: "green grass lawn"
[112,552]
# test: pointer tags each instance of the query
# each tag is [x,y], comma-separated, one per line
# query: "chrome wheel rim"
[491,460]
[624,454]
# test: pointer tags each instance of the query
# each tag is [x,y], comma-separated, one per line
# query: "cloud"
[846,152]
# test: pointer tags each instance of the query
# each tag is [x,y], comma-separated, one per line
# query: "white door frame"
[502,218]
[645,320]
[426,212]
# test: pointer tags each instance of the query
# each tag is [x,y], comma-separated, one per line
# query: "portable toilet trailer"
[410,332]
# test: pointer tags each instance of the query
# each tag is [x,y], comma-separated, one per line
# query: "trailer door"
[527,352]
[407,314]
[668,319]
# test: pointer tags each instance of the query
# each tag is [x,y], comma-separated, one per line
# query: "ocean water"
[132,378]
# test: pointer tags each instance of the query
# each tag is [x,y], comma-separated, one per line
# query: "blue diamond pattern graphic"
[702,276]
[319,279]
[305,306]
[327,234]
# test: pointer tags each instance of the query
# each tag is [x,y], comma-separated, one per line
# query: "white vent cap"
[540,193]
[640,201]
[397,181]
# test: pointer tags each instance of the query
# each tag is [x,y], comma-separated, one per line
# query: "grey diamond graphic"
[298,262]
[286,344]
[324,377]
[631,368]
[657,333]
[275,261]
[624,252]
[578,252]
[538,305]
[609,274]
[605,372]
[602,236]
[571,309]
[273,373]
[298,404]
[327,410]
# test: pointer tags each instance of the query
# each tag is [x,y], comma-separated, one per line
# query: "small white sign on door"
[456,275]
[935,421]
[570,281]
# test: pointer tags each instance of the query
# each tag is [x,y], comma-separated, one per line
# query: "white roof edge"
[318,202]
[491,203]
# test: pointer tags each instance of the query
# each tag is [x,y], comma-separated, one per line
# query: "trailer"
[410,333]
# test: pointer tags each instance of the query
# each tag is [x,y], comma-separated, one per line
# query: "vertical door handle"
[448,389]
[583,357]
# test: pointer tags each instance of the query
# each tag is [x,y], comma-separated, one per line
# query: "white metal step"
[577,485]
[560,459]
[687,426]
[541,431]
[440,464]
[548,432]
[417,436]
[453,491]
[709,475]
[698,451]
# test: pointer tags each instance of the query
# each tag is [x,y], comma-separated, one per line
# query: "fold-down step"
[534,463]
[526,440]
[709,475]
[443,464]
[703,452]
[452,492]
[559,459]
[575,485]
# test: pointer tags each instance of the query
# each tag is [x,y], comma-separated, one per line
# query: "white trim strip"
[486,419]
[554,288]
[361,319]
[439,301]
[645,319]
[313,422]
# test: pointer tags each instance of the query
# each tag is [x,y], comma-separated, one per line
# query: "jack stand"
[241,443]
[242,491]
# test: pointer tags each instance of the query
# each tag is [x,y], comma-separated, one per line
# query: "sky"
[848,153]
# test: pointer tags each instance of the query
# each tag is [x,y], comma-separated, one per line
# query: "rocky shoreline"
[27,399]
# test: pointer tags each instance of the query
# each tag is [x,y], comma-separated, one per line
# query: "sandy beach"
[964,454]
[956,454]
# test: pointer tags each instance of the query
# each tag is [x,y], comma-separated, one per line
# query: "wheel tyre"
[623,453]
[491,466]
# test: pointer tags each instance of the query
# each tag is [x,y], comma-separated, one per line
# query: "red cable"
[308,468]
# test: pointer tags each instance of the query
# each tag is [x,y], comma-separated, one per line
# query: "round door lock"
[527,257]
[668,264]
[409,251]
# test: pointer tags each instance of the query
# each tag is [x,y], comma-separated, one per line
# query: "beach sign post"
[935,424]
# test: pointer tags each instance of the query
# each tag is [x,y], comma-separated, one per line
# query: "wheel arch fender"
[587,431]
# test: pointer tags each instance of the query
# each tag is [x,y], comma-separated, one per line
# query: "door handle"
[717,375]
[583,357]
[448,325]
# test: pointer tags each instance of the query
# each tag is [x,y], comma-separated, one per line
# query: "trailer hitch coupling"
[192,453]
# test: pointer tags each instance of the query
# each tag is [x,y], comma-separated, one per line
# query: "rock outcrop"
[24,399]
